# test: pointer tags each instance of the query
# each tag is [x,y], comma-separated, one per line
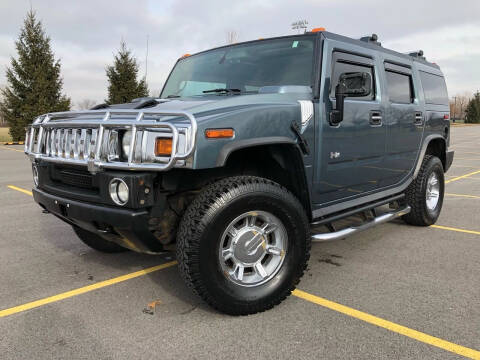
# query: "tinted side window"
[399,87]
[434,88]
[344,67]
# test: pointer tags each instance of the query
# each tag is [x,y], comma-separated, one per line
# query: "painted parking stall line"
[455,229]
[391,326]
[463,195]
[16,188]
[83,290]
[462,177]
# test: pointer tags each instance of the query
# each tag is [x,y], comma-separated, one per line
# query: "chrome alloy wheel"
[252,248]
[433,191]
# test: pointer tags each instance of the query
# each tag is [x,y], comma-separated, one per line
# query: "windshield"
[243,68]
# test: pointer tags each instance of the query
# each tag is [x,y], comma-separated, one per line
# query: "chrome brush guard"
[64,138]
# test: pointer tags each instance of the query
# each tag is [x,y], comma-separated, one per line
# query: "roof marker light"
[319,29]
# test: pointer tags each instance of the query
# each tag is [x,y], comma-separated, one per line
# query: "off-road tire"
[200,232]
[415,195]
[98,243]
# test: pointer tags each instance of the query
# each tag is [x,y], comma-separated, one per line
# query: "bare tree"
[458,105]
[86,104]
[231,36]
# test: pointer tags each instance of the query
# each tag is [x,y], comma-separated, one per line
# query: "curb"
[12,142]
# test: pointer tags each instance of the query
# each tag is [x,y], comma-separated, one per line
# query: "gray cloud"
[85,34]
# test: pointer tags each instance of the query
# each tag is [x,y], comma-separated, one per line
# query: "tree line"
[465,107]
[35,85]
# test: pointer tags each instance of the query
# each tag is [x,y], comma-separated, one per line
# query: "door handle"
[418,118]
[375,118]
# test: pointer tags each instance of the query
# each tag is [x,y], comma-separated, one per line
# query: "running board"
[351,230]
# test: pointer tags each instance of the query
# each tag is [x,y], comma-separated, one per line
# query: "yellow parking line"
[455,229]
[462,177]
[28,192]
[462,195]
[83,290]
[6,148]
[399,329]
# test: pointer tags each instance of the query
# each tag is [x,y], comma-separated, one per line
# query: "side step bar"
[351,230]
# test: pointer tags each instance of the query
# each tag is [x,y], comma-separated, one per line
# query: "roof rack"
[373,39]
[417,54]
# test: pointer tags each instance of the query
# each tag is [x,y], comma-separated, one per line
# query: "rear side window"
[399,87]
[434,88]
[345,67]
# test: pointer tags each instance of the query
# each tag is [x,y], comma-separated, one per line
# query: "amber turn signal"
[163,147]
[219,133]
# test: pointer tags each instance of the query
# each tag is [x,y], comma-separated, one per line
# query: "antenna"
[146,60]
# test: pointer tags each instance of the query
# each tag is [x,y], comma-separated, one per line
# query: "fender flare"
[227,149]
[423,150]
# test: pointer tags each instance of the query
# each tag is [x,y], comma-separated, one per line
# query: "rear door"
[437,112]
[350,154]
[404,120]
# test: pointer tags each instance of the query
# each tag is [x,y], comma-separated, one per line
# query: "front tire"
[425,193]
[98,243]
[243,244]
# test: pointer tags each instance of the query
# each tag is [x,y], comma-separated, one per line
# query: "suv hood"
[214,104]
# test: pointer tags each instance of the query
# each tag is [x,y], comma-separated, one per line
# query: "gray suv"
[252,152]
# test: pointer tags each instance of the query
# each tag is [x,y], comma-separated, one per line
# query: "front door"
[350,155]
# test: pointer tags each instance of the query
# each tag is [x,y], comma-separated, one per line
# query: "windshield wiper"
[222,90]
[173,96]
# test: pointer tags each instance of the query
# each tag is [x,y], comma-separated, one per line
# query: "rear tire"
[246,222]
[425,193]
[98,243]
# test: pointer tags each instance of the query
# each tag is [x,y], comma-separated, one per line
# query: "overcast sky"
[85,34]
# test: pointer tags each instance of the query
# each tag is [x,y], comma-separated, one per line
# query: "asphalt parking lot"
[394,291]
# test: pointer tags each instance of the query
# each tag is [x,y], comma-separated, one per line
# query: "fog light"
[35,175]
[118,191]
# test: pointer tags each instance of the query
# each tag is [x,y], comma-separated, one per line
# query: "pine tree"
[34,81]
[122,77]
[473,109]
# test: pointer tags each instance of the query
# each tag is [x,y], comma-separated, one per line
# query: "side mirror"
[355,84]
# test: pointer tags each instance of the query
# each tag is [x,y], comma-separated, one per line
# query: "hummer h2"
[252,152]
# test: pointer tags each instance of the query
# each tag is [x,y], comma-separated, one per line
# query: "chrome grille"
[95,142]
[68,143]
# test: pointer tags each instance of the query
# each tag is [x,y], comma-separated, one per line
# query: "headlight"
[127,138]
[118,191]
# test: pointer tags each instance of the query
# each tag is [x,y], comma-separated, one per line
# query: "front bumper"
[449,159]
[128,228]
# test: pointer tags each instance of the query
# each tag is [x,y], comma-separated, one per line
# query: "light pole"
[454,108]
[299,25]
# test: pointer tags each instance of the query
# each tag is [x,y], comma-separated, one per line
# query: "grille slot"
[81,179]
[76,144]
